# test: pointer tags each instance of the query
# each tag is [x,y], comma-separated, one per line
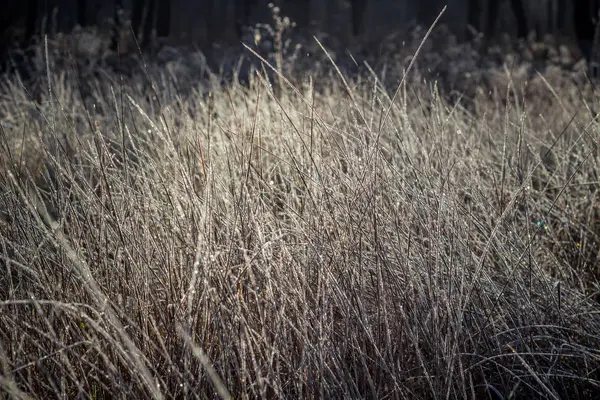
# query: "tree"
[475,13]
[585,16]
[243,11]
[358,10]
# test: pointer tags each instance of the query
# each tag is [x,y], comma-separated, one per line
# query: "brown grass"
[167,237]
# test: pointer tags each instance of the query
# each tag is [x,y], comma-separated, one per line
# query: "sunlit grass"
[162,236]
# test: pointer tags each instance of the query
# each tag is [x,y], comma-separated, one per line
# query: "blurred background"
[205,23]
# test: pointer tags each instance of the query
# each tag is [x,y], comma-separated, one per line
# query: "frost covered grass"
[169,237]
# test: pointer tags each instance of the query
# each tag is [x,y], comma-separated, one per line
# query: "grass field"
[164,235]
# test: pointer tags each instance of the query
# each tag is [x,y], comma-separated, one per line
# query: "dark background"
[205,22]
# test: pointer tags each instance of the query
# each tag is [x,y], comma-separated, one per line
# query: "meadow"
[376,231]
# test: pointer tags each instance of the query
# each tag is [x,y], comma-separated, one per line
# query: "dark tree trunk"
[209,23]
[81,13]
[148,24]
[585,14]
[561,11]
[163,19]
[137,15]
[31,19]
[358,11]
[243,11]
[492,17]
[519,12]
[116,28]
[473,16]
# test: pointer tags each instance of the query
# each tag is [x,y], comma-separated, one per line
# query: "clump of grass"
[325,242]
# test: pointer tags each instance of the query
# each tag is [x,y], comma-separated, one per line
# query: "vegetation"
[326,236]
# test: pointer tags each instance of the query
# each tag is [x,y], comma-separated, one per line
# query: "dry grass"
[194,239]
